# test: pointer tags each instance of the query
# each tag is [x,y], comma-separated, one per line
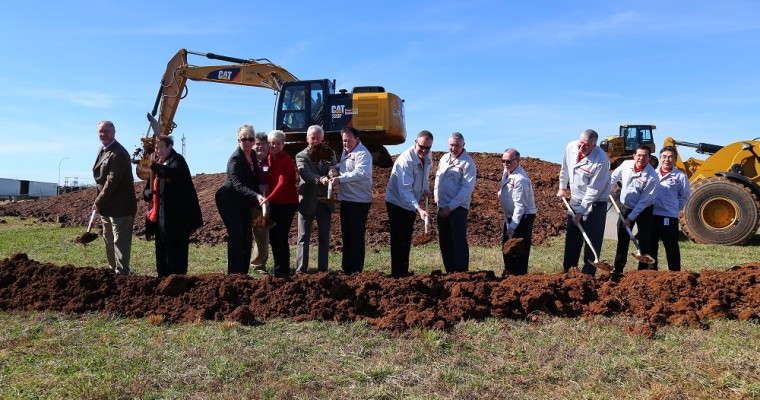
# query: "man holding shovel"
[115,200]
[585,168]
[314,172]
[519,206]
[638,183]
[408,185]
[454,184]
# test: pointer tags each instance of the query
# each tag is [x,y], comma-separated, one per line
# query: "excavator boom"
[244,72]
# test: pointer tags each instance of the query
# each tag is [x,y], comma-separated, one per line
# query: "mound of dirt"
[428,301]
[484,221]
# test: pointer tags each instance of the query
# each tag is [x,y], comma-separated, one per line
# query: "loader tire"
[720,211]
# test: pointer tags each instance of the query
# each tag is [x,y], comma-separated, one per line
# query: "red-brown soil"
[428,301]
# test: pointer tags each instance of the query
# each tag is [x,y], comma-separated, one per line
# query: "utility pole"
[58,182]
[184,142]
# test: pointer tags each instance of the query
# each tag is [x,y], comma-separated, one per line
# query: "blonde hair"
[245,131]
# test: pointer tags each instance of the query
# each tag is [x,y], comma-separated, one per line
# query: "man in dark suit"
[314,170]
[115,201]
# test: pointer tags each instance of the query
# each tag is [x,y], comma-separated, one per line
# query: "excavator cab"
[304,103]
[301,105]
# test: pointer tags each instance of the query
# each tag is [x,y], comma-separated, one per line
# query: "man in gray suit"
[115,201]
[314,172]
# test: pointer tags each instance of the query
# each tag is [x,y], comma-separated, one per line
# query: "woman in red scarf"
[174,209]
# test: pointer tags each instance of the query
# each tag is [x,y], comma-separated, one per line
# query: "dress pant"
[518,264]
[452,238]
[644,224]
[282,214]
[666,228]
[260,252]
[171,253]
[117,235]
[401,223]
[322,215]
[238,222]
[353,225]
[594,227]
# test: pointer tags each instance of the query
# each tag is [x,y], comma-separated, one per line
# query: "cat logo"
[338,111]
[228,74]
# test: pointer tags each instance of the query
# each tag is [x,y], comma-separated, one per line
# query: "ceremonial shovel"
[645,258]
[88,236]
[603,265]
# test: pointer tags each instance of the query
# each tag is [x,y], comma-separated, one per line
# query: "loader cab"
[302,104]
[637,135]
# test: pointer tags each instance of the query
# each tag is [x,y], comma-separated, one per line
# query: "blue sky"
[525,74]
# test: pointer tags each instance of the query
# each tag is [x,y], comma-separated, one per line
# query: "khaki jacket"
[114,182]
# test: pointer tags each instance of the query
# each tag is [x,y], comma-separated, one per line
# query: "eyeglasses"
[423,147]
[508,162]
[250,139]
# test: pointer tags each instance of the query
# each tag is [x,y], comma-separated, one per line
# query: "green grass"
[50,355]
[46,242]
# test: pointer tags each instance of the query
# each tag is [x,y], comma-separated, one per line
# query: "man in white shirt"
[454,184]
[638,183]
[586,169]
[669,199]
[519,205]
[408,185]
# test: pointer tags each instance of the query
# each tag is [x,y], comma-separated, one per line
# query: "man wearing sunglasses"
[454,184]
[408,185]
[519,206]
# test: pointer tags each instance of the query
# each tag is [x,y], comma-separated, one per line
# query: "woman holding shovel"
[174,209]
[235,200]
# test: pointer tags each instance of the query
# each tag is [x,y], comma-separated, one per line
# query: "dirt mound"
[427,301]
[485,217]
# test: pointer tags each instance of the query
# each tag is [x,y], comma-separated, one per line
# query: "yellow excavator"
[724,206]
[377,114]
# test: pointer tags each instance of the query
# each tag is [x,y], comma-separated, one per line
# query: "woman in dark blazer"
[174,209]
[235,198]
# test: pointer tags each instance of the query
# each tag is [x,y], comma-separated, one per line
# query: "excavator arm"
[241,72]
[252,72]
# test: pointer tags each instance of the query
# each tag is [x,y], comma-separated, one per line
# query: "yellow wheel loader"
[724,205]
[623,146]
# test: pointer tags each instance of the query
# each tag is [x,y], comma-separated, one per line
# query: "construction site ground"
[433,300]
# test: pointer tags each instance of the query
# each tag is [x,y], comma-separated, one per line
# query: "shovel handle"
[627,228]
[583,232]
[92,219]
